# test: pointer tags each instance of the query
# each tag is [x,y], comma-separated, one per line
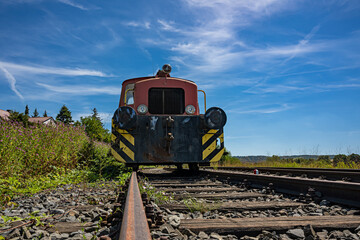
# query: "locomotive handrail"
[204,98]
[134,223]
[126,94]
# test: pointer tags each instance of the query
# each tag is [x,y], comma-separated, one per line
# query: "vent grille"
[166,101]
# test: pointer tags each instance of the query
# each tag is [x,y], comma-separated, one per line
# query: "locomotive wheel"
[193,167]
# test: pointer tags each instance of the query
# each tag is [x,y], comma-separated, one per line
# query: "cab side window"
[129,92]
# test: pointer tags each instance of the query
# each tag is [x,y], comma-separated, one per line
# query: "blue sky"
[285,72]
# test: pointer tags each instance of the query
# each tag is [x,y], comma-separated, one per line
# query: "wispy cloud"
[113,41]
[82,89]
[17,68]
[285,88]
[145,24]
[12,81]
[73,4]
[168,26]
[268,88]
[262,109]
[303,42]
[216,45]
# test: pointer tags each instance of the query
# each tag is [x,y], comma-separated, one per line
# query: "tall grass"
[39,157]
[39,149]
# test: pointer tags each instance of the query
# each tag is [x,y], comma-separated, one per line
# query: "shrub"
[94,128]
[340,158]
[96,157]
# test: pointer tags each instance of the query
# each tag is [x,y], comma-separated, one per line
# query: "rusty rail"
[134,224]
[351,175]
[335,191]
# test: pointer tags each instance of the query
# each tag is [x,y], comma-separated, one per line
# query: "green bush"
[94,128]
[96,157]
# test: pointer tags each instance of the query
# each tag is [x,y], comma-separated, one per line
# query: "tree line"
[92,124]
[336,161]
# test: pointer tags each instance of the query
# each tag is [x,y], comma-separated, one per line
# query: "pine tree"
[26,110]
[64,115]
[20,117]
[95,114]
[35,114]
[45,114]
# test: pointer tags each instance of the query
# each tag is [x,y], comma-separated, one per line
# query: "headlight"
[190,109]
[215,118]
[142,109]
[125,118]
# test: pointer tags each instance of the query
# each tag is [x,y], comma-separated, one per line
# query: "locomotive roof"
[134,80]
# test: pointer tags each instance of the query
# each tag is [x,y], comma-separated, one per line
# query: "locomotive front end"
[158,122]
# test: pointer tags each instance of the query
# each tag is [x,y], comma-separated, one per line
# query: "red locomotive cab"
[160,96]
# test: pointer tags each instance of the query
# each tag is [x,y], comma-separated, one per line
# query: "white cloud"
[145,24]
[167,26]
[338,86]
[73,4]
[262,109]
[214,43]
[283,88]
[12,81]
[17,68]
[82,89]
[275,89]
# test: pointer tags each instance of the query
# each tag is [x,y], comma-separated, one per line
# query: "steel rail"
[309,169]
[134,223]
[352,175]
[347,193]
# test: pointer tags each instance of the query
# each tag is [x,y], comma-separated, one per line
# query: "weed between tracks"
[194,205]
[158,196]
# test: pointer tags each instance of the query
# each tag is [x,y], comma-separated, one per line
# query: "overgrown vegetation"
[323,161]
[36,157]
[37,150]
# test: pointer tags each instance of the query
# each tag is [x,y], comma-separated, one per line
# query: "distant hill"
[263,158]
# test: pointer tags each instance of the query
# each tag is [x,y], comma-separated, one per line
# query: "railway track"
[350,175]
[224,205]
[210,204]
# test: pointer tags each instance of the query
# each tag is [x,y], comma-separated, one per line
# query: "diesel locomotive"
[158,122]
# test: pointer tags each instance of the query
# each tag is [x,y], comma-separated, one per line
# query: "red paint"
[142,86]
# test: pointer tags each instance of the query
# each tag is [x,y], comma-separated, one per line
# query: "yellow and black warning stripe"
[210,150]
[122,145]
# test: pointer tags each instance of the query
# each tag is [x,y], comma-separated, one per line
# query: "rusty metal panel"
[168,139]
[134,223]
